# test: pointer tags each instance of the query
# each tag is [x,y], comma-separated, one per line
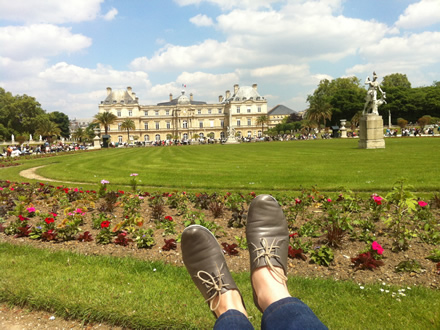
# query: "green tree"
[105,119]
[62,120]
[47,129]
[395,80]
[80,134]
[263,120]
[319,109]
[128,124]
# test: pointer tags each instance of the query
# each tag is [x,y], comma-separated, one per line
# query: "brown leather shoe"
[267,237]
[205,262]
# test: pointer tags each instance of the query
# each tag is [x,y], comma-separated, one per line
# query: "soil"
[340,269]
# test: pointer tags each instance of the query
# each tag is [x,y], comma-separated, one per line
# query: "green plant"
[144,238]
[322,255]
[309,229]
[434,256]
[241,242]
[408,266]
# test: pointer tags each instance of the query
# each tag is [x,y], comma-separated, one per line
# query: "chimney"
[109,91]
[171,97]
[129,90]
[235,89]
[191,97]
[133,94]
[228,94]
[220,98]
[254,86]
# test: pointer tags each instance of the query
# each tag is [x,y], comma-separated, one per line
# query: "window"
[219,110]
[157,125]
[211,123]
[167,112]
[259,133]
[201,124]
[168,124]
[146,138]
[199,112]
[209,111]
[156,113]
[130,113]
[120,138]
[157,137]
[259,109]
[184,124]
[249,134]
[119,113]
[201,135]
[185,136]
[248,110]
[249,122]
[238,122]
[238,109]
[119,126]
[145,113]
[222,135]
[222,123]
[146,125]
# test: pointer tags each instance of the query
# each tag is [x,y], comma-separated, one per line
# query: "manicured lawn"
[261,167]
[138,294]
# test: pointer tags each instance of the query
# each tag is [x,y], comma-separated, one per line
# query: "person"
[268,240]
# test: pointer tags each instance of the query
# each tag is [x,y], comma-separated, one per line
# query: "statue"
[30,137]
[371,101]
[12,138]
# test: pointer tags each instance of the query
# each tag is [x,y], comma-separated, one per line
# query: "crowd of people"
[26,149]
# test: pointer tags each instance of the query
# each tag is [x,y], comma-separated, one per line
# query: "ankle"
[268,286]
[230,300]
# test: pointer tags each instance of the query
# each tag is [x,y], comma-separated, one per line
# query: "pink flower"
[329,200]
[31,209]
[297,201]
[422,203]
[79,211]
[377,247]
[133,174]
[377,199]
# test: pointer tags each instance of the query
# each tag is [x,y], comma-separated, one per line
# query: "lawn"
[260,167]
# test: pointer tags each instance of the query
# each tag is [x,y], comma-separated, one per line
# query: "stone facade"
[183,118]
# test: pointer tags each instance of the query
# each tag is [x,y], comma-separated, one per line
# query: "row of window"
[157,137]
[167,112]
[248,110]
[185,124]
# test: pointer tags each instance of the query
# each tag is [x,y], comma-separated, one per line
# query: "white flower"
[382,290]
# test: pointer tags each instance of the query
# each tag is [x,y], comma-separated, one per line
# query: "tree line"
[22,116]
[344,98]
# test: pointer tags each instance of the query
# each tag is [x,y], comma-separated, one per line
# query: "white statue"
[30,137]
[12,138]
[371,101]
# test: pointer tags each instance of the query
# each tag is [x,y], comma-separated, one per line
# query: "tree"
[402,122]
[423,121]
[396,80]
[319,109]
[47,129]
[105,119]
[355,119]
[62,120]
[128,124]
[80,134]
[262,120]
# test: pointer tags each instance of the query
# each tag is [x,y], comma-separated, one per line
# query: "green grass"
[128,292]
[276,166]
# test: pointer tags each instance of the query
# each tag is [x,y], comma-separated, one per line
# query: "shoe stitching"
[213,283]
[266,252]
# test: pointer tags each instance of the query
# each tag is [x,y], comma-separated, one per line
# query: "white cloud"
[111,14]
[201,20]
[40,40]
[229,4]
[50,11]
[420,14]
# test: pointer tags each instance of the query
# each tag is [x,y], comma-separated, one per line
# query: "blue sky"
[66,53]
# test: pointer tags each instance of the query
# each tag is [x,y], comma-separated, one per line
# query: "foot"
[268,241]
[206,264]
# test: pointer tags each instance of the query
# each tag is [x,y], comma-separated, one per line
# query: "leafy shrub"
[145,238]
[366,261]
[408,266]
[434,256]
[322,255]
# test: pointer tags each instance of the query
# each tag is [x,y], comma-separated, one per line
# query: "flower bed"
[391,239]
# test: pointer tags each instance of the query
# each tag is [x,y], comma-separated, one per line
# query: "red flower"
[293,235]
[22,218]
[54,214]
[105,224]
[422,203]
[169,218]
[297,201]
[41,184]
[121,192]
[49,220]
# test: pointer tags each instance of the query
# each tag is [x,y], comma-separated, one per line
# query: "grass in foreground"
[138,294]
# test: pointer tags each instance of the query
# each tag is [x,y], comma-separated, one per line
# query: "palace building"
[183,118]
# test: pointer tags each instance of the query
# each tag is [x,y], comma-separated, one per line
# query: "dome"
[183,99]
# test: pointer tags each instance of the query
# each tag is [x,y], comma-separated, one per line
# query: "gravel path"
[30,173]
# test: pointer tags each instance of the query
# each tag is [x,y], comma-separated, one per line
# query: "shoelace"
[213,283]
[266,252]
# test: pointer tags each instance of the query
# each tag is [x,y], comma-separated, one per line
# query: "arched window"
[222,135]
[201,135]
[185,136]
[184,124]
[157,137]
[146,138]
[120,138]
[249,134]
[259,133]
[239,134]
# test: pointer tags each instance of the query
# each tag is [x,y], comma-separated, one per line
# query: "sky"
[66,53]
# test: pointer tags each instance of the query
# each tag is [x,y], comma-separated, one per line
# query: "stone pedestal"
[371,132]
[231,140]
[96,143]
[343,129]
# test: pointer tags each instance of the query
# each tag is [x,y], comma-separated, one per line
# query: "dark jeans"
[287,313]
